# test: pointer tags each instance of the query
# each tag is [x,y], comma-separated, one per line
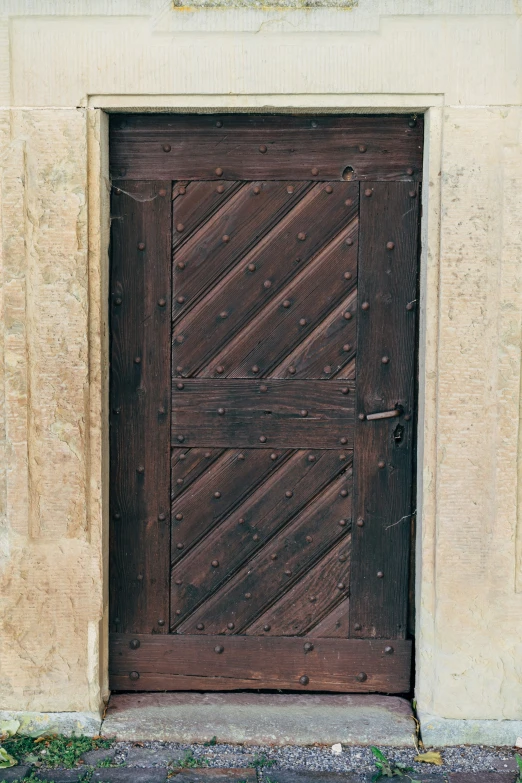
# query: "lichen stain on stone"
[260,5]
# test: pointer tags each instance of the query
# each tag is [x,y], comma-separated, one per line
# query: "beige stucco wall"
[61,62]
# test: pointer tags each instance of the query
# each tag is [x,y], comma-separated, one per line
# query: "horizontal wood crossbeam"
[242,413]
[143,662]
[250,147]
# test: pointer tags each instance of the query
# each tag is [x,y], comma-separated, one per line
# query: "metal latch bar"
[384,414]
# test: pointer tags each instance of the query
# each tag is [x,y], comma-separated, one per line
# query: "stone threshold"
[261,719]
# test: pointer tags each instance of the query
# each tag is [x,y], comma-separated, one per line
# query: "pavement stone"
[213,775]
[62,775]
[93,757]
[14,773]
[129,775]
[482,777]
[291,776]
[507,764]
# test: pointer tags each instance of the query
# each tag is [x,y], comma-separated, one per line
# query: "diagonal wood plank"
[187,464]
[313,597]
[279,565]
[222,487]
[228,235]
[277,259]
[329,349]
[297,311]
[335,624]
[194,203]
[273,504]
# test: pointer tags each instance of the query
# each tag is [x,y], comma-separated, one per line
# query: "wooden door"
[263,320]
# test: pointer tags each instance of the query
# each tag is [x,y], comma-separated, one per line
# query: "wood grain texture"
[314,597]
[251,147]
[140,407]
[238,662]
[221,488]
[279,565]
[238,413]
[284,265]
[195,203]
[187,465]
[328,351]
[280,498]
[385,381]
[244,219]
[336,624]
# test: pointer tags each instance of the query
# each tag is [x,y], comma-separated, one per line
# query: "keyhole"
[348,174]
[397,434]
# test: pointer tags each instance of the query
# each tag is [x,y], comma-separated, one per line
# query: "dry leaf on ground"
[431,757]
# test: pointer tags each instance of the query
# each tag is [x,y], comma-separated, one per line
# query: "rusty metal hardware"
[384,414]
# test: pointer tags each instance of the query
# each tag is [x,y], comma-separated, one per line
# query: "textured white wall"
[61,60]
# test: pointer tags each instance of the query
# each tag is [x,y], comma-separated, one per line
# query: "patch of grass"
[518,759]
[31,778]
[56,751]
[261,761]
[18,746]
[189,761]
[390,769]
[104,763]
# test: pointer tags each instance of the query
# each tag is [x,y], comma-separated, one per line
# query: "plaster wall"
[62,63]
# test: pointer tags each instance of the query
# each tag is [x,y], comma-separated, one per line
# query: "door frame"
[99,107]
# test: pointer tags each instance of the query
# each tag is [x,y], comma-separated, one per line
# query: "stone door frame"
[431,106]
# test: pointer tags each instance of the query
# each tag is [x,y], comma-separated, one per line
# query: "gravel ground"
[477,758]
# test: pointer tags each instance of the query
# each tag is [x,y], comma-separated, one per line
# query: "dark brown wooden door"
[263,291]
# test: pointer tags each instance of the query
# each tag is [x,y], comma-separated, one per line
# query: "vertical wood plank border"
[140,372]
[383,448]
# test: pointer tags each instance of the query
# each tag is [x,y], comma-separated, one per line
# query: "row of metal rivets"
[219,649]
[256,190]
[262,439]
[303,680]
[362,148]
[412,122]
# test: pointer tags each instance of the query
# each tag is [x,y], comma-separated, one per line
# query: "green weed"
[104,763]
[189,761]
[56,751]
[261,761]
[518,759]
[390,769]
